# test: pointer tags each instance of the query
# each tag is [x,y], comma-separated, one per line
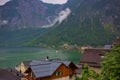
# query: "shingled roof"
[7,75]
[107,46]
[43,68]
[92,57]
[26,63]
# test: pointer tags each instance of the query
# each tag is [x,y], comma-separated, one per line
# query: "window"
[102,57]
[59,73]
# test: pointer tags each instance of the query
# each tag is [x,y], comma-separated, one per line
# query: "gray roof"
[43,68]
[41,62]
[61,61]
[26,63]
[107,46]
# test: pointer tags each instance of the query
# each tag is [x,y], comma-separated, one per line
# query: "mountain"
[95,23]
[81,22]
[27,13]
[24,20]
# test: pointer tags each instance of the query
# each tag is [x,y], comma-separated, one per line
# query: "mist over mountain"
[81,22]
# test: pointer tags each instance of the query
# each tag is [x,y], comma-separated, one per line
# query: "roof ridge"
[40,64]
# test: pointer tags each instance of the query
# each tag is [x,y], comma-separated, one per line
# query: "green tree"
[111,64]
[87,74]
[110,67]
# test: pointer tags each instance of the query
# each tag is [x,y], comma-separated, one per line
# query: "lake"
[10,57]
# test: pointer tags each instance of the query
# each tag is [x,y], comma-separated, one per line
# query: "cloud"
[2,2]
[55,1]
[59,19]
[3,22]
[63,15]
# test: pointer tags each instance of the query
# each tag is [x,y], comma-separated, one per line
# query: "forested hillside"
[95,22]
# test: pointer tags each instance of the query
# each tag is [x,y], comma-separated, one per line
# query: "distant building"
[85,47]
[107,46]
[68,47]
[9,74]
[50,69]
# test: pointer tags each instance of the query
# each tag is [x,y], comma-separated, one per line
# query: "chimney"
[47,58]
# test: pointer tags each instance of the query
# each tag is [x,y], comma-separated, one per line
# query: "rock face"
[27,13]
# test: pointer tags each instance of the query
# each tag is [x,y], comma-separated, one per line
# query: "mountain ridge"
[94,23]
[90,23]
[27,13]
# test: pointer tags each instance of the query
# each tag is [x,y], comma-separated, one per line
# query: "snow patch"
[59,19]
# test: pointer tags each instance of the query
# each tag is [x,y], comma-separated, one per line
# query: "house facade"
[22,67]
[61,73]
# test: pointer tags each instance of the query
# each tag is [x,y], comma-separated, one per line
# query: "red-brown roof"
[92,57]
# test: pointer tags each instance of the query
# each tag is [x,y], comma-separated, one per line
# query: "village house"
[49,69]
[9,74]
[93,57]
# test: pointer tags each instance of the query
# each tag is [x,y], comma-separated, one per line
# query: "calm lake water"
[10,57]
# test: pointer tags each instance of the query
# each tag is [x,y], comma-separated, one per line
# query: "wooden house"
[50,70]
[93,57]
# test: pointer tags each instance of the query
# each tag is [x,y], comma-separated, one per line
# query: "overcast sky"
[2,2]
